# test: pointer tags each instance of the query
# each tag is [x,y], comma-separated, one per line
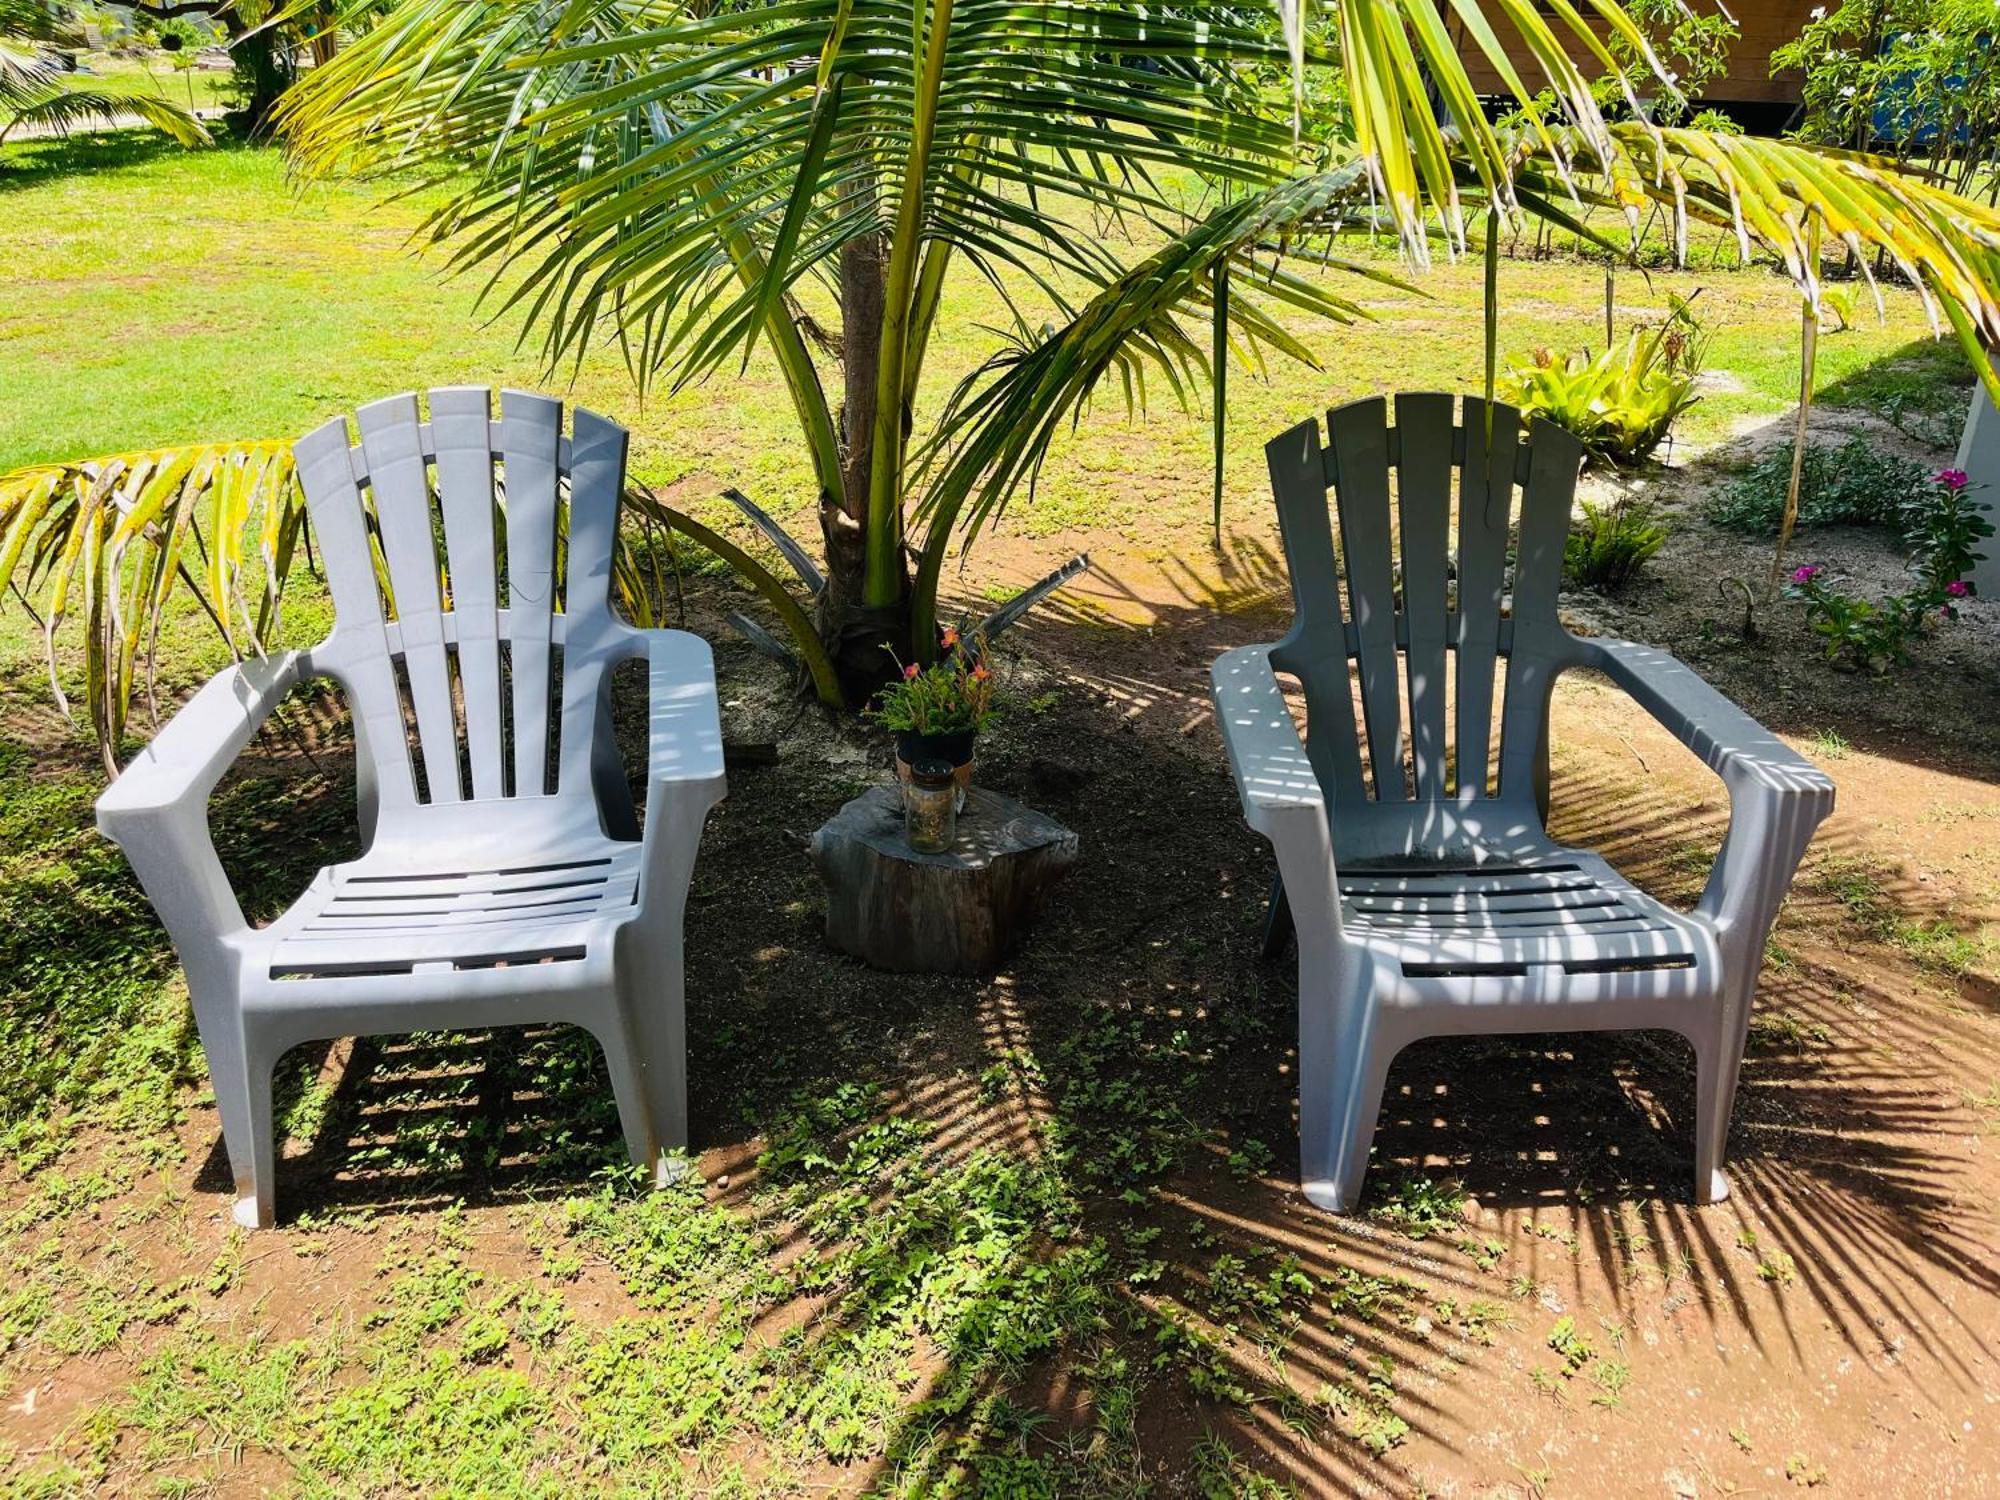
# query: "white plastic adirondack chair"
[1427,897]
[504,880]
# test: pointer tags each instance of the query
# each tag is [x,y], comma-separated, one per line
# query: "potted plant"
[936,712]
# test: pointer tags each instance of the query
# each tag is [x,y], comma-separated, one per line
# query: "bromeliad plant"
[1620,404]
[694,182]
[1945,530]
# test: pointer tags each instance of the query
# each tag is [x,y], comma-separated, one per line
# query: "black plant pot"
[955,750]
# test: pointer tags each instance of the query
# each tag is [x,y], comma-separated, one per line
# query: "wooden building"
[1746,89]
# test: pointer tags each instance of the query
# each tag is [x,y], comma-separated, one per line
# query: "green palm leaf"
[128,531]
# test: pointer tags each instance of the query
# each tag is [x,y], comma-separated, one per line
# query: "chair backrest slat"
[1423,495]
[596,474]
[1546,496]
[530,451]
[1360,434]
[462,434]
[1485,515]
[1398,634]
[392,443]
[340,527]
[1315,649]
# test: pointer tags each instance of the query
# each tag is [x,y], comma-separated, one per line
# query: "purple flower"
[1958,588]
[1953,479]
[1805,574]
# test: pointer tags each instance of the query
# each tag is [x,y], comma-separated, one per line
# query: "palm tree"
[694,179]
[33,93]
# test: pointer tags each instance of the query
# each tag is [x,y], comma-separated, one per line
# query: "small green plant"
[1611,1376]
[1620,404]
[1856,484]
[1837,306]
[1421,1207]
[1777,1268]
[1608,547]
[1783,1030]
[1803,1472]
[953,696]
[1568,1341]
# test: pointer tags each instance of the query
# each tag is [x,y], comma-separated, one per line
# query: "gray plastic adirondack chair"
[1428,899]
[505,880]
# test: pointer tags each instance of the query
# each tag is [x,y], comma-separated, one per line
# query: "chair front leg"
[1769,831]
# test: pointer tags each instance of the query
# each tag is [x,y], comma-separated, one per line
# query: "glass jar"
[930,807]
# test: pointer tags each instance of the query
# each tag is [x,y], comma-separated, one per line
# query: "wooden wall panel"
[1765,25]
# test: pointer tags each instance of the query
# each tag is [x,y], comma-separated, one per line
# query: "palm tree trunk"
[856,632]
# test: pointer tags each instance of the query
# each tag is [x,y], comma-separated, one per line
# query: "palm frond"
[62,110]
[999,423]
[221,525]
[128,531]
[1772,195]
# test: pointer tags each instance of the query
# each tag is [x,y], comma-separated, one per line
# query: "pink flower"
[910,672]
[1805,574]
[1953,479]
[1958,588]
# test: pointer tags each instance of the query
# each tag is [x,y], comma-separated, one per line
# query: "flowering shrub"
[1873,636]
[954,695]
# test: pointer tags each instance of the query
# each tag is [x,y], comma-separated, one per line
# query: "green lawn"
[220,301]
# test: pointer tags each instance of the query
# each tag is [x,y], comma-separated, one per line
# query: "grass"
[228,302]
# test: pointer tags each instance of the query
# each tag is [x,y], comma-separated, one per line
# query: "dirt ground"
[1532,1306]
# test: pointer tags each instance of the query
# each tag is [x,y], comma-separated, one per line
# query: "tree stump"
[960,912]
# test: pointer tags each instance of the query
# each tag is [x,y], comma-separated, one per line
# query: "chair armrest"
[1730,742]
[1275,777]
[157,809]
[1281,792]
[684,723]
[1777,798]
[684,776]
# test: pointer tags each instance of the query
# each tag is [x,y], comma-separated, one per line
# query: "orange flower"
[910,672]
[982,673]
[950,637]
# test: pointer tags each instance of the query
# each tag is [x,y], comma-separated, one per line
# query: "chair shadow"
[1578,1145]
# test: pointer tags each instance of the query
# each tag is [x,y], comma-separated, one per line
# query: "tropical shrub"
[1620,404]
[1873,636]
[1857,484]
[1916,79]
[1611,543]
